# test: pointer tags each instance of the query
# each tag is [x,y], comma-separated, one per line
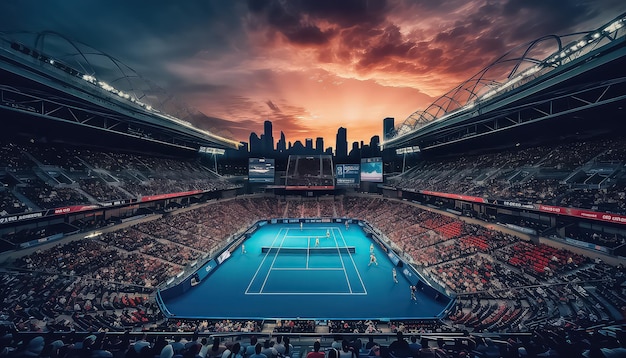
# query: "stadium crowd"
[583,174]
[547,342]
[495,267]
[39,176]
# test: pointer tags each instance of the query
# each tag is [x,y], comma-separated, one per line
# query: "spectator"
[233,351]
[258,351]
[250,349]
[316,351]
[216,349]
[346,351]
[414,347]
[370,343]
[400,347]
[268,349]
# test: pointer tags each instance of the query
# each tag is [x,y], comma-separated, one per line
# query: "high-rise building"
[281,146]
[355,152]
[388,128]
[268,141]
[308,144]
[319,145]
[341,143]
[255,144]
[375,146]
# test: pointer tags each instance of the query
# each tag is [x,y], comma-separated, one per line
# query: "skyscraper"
[388,128]
[281,146]
[375,146]
[319,145]
[268,141]
[255,144]
[341,143]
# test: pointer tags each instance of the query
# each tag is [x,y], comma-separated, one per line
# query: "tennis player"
[373,259]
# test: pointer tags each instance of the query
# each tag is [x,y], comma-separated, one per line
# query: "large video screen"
[310,172]
[372,169]
[261,170]
[348,174]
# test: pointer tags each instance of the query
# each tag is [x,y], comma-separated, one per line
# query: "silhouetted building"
[308,144]
[388,128]
[319,145]
[281,146]
[355,153]
[297,148]
[256,147]
[366,151]
[341,143]
[268,137]
[375,146]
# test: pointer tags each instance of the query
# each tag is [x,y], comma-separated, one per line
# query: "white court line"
[307,269]
[353,263]
[262,261]
[308,247]
[273,261]
[310,293]
[341,259]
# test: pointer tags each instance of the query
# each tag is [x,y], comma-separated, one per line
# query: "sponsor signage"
[15,218]
[454,196]
[347,174]
[168,196]
[580,213]
[73,209]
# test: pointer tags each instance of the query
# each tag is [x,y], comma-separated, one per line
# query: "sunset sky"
[309,66]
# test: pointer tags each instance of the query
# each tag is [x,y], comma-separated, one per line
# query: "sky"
[309,66]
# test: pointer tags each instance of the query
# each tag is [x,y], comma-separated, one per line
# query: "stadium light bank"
[120,94]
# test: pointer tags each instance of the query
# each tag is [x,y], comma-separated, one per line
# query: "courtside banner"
[579,213]
[206,269]
[454,196]
[586,214]
[171,195]
[73,209]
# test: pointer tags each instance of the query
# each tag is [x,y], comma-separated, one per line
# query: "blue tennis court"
[313,271]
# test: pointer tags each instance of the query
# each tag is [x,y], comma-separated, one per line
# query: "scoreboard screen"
[261,170]
[372,169]
[348,174]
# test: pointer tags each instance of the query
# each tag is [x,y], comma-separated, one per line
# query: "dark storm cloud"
[143,34]
[536,18]
[390,43]
[347,13]
[309,35]
[466,40]
[299,21]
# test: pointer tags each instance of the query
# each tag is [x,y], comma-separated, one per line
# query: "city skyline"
[264,144]
[309,66]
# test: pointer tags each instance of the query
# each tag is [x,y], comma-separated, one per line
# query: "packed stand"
[584,174]
[51,177]
[294,326]
[363,326]
[513,289]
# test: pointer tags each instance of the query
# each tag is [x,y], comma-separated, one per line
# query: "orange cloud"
[311,66]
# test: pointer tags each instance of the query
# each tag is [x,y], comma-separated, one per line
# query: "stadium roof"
[66,81]
[542,68]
